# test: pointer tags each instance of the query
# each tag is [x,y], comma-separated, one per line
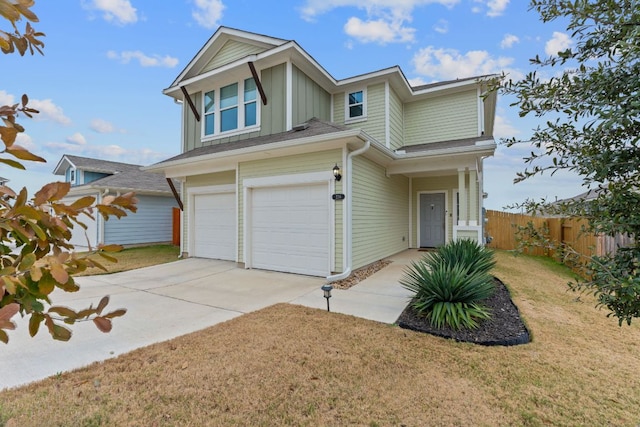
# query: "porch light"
[327,293]
[336,172]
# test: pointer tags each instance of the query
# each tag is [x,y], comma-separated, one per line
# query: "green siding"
[374,124]
[220,178]
[380,217]
[231,51]
[468,234]
[304,163]
[443,118]
[309,99]
[395,121]
[191,127]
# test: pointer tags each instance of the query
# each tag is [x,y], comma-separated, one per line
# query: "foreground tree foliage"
[591,108]
[36,256]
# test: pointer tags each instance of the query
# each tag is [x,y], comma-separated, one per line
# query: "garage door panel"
[290,229]
[215,226]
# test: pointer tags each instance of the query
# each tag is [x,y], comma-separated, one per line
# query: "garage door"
[290,229]
[78,237]
[215,226]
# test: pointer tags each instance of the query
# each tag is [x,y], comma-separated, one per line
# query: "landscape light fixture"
[336,172]
[327,293]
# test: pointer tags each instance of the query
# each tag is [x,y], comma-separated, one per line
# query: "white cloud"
[48,110]
[558,43]
[6,98]
[77,138]
[502,128]
[102,126]
[442,26]
[24,140]
[385,20]
[497,7]
[119,11]
[508,41]
[144,60]
[208,12]
[378,31]
[448,64]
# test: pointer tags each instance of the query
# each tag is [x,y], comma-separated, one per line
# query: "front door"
[432,220]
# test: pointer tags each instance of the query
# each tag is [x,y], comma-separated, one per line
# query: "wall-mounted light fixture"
[336,172]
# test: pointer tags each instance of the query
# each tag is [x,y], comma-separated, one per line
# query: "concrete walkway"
[169,300]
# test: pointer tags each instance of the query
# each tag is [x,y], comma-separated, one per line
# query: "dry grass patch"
[291,365]
[132,258]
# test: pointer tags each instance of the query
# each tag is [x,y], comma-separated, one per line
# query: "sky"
[99,84]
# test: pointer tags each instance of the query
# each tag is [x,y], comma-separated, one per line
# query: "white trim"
[209,189]
[284,181]
[289,96]
[411,212]
[387,115]
[477,229]
[480,113]
[357,119]
[446,213]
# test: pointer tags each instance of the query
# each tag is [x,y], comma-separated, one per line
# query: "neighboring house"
[152,223]
[264,126]
[3,181]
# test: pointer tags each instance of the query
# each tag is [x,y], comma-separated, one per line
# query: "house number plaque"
[338,196]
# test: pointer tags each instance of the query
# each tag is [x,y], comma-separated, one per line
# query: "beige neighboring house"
[264,126]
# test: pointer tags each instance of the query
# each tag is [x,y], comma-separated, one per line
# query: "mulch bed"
[505,327]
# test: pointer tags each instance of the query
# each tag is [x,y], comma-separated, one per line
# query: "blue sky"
[99,84]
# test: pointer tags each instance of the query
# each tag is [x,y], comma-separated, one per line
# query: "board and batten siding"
[446,184]
[309,99]
[396,118]
[445,118]
[380,216]
[290,165]
[231,51]
[219,178]
[272,115]
[152,223]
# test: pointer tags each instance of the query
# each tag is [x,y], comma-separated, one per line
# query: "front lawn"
[292,365]
[137,257]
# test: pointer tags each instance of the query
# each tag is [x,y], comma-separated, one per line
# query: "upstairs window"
[356,105]
[225,111]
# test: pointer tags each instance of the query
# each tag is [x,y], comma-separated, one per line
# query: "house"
[152,223]
[3,181]
[285,168]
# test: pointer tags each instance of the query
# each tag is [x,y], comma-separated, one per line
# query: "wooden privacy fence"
[502,227]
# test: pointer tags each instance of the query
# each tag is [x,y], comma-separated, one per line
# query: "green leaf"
[34,323]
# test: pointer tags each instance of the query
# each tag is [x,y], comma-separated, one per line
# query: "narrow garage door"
[290,229]
[214,228]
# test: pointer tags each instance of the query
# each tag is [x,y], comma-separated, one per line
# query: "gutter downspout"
[348,217]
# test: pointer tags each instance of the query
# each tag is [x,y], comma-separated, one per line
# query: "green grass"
[137,257]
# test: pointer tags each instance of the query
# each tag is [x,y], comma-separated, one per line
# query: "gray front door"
[432,220]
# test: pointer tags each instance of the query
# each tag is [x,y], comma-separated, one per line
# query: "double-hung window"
[356,105]
[230,108]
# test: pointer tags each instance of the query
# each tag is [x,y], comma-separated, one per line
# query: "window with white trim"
[230,108]
[356,105]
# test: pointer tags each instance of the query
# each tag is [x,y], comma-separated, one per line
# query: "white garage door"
[215,226]
[290,229]
[78,237]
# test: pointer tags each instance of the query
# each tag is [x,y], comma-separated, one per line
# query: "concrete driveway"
[169,300]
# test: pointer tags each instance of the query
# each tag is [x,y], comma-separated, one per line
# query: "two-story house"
[285,168]
[153,221]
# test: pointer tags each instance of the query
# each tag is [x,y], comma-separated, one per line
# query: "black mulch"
[505,327]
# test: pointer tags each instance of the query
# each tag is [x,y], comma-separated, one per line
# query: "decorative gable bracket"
[190,102]
[254,73]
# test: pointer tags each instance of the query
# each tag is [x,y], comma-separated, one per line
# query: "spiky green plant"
[450,284]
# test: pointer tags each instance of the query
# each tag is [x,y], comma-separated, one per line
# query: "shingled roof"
[123,176]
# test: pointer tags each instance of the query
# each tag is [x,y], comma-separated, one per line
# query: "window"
[72,176]
[356,105]
[225,112]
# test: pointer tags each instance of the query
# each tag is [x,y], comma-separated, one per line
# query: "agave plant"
[450,284]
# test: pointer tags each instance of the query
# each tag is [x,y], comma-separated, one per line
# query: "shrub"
[450,284]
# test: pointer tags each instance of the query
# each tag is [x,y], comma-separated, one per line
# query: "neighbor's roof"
[123,176]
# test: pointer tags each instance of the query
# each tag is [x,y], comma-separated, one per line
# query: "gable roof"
[122,176]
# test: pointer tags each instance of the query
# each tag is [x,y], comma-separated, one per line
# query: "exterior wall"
[220,178]
[272,115]
[374,124]
[309,99]
[92,176]
[380,217]
[152,223]
[231,51]
[444,118]
[396,121]
[447,184]
[467,234]
[313,162]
